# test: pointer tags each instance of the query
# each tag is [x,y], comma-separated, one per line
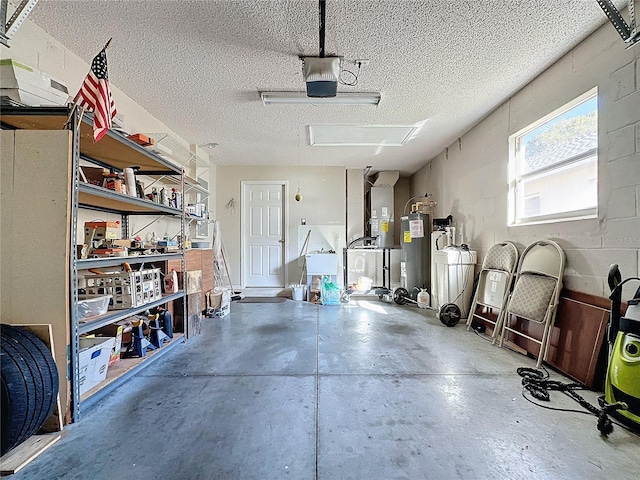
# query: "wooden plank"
[174,265]
[35,237]
[514,347]
[24,453]
[193,260]
[207,259]
[578,337]
[112,149]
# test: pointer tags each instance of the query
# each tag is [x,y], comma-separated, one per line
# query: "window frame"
[516,179]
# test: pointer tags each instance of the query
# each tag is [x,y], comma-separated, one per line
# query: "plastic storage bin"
[92,306]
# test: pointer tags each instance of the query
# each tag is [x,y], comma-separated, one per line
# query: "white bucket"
[364,284]
[297,292]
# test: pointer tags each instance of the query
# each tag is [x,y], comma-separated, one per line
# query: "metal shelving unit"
[116,152]
[194,166]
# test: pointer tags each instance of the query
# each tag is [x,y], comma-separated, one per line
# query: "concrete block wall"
[470,178]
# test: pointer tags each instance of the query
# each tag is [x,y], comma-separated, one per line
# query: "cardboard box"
[93,361]
[114,331]
[224,311]
[194,281]
[98,231]
[93,175]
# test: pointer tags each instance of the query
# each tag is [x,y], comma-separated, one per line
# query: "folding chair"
[535,294]
[494,285]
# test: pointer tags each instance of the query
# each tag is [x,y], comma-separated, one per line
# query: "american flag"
[95,96]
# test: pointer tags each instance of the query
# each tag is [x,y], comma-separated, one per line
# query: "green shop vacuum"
[622,383]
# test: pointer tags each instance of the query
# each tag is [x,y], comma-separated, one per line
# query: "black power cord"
[355,75]
[538,385]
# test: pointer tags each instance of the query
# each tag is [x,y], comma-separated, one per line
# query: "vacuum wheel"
[450,314]
[400,295]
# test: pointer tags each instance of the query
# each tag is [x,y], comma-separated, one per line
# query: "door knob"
[281,240]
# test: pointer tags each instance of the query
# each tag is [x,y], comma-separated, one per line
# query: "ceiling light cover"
[283,98]
[360,135]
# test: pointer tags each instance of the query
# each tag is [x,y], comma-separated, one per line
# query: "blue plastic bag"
[329,292]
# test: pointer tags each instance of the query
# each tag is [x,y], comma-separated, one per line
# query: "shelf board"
[125,367]
[191,185]
[113,261]
[97,197]
[193,218]
[113,149]
[113,316]
[180,153]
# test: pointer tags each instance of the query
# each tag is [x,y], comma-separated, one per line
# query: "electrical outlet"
[362,62]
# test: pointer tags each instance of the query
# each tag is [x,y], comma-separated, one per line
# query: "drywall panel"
[323,203]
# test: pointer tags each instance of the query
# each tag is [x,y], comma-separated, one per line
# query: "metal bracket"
[629,33]
[8,30]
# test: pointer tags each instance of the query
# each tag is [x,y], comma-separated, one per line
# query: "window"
[553,165]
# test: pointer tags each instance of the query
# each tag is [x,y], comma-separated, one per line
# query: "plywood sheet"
[35,237]
[24,453]
[577,337]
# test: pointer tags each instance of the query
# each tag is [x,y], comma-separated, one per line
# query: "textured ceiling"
[441,65]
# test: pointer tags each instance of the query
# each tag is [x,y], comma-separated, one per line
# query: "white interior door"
[263,234]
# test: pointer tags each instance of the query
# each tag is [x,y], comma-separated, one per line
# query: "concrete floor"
[360,391]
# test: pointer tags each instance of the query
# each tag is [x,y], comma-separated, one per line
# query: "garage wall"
[32,46]
[323,190]
[469,178]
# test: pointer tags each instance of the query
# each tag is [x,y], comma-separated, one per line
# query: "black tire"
[46,369]
[46,362]
[29,385]
[20,400]
[14,403]
[28,364]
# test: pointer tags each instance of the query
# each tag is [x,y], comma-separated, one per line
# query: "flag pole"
[75,105]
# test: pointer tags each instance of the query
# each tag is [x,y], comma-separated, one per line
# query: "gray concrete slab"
[191,427]
[457,426]
[376,337]
[366,390]
[255,339]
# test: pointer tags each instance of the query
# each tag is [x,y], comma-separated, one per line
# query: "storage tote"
[128,289]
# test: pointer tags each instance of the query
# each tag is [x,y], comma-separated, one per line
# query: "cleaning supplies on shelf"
[171,282]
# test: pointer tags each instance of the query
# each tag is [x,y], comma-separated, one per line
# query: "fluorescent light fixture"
[283,98]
